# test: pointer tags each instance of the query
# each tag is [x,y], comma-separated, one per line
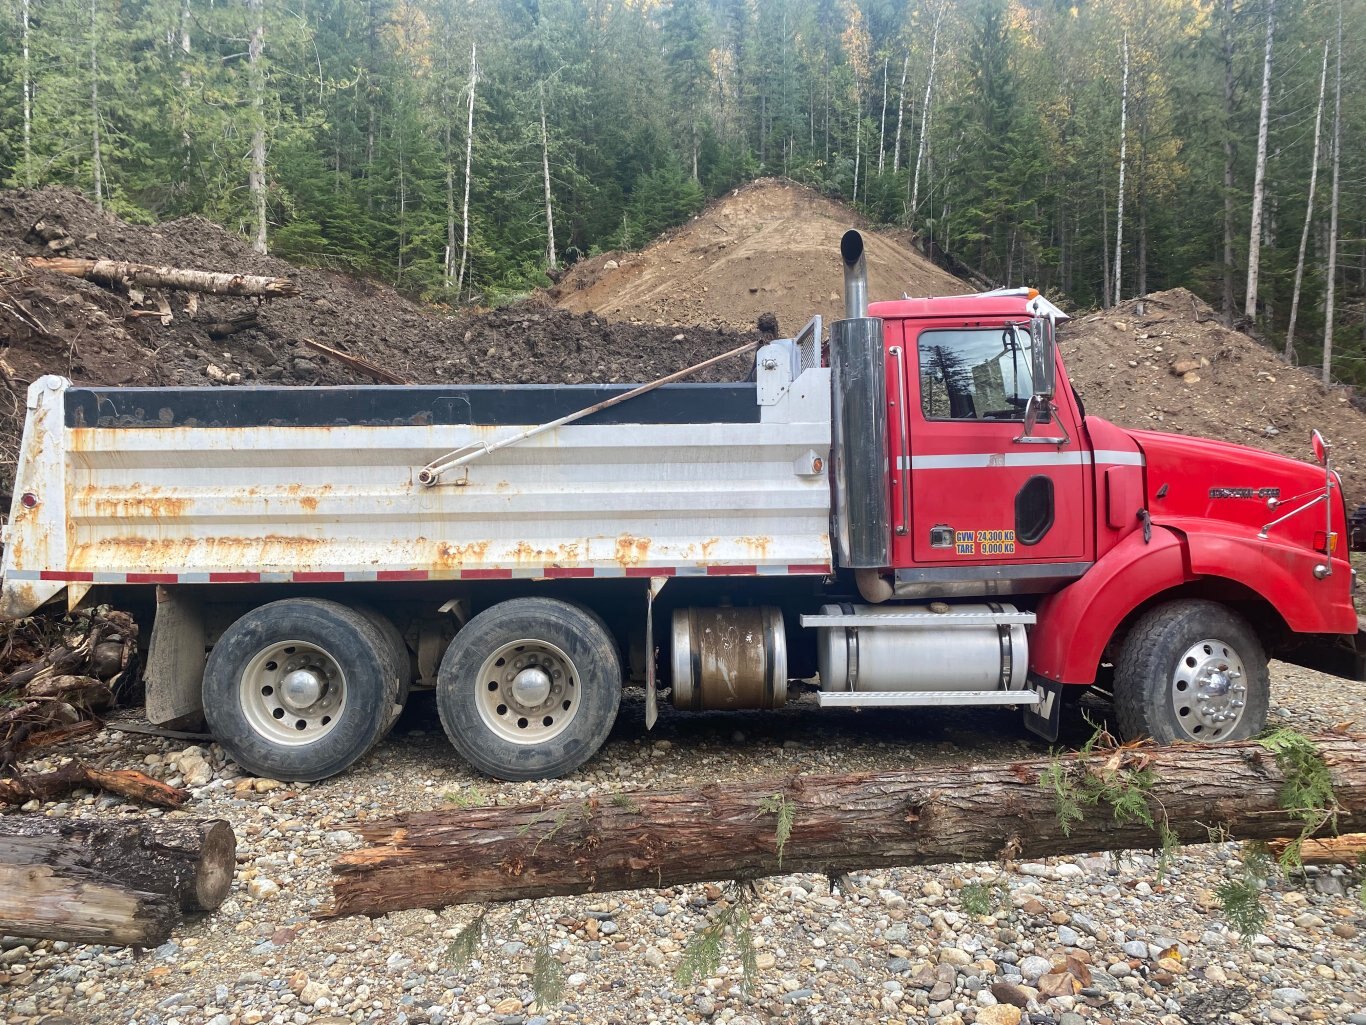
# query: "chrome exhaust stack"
[858,397]
[855,275]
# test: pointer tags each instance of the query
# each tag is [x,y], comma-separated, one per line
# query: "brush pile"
[58,673]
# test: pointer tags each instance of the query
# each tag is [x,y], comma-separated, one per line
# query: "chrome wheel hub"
[1209,690]
[292,692]
[528,691]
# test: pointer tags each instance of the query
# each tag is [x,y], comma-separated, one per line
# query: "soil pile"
[769,247]
[1174,367]
[50,323]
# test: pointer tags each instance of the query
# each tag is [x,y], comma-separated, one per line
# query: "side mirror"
[1320,447]
[1044,362]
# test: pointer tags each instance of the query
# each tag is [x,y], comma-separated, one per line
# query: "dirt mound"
[50,323]
[769,247]
[1173,367]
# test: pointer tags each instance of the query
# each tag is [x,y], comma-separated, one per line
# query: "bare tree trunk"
[1105,298]
[118,273]
[858,141]
[98,163]
[184,79]
[469,161]
[900,112]
[882,133]
[925,110]
[1308,214]
[941,814]
[28,104]
[1228,163]
[1254,245]
[256,178]
[1329,296]
[550,261]
[1118,292]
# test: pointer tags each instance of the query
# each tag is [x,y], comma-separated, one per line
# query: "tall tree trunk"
[448,265]
[256,178]
[1104,249]
[28,103]
[469,162]
[1227,302]
[1329,296]
[882,133]
[900,111]
[858,141]
[184,80]
[925,110]
[550,261]
[1308,213]
[97,161]
[1254,244]
[1118,291]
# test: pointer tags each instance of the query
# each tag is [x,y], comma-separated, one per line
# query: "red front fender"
[1076,623]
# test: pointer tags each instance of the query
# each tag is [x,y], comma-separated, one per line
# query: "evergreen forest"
[465,150]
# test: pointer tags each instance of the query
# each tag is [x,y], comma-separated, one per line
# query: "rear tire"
[299,689]
[529,689]
[1191,671]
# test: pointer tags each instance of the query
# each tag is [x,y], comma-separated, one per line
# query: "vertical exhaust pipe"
[855,275]
[858,401]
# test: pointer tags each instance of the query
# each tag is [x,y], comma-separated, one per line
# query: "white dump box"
[127,486]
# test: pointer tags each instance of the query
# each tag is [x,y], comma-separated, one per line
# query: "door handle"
[903,467]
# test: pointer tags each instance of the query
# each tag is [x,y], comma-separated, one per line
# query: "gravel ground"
[897,946]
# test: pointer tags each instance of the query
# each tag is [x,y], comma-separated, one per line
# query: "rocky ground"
[953,945]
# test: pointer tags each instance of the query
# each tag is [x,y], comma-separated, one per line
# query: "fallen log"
[121,274]
[364,366]
[130,783]
[834,824]
[110,880]
[1348,849]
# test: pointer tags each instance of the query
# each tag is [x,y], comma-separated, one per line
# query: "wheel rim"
[528,691]
[293,693]
[1209,690]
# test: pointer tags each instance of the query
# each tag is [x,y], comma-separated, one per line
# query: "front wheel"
[1191,670]
[529,689]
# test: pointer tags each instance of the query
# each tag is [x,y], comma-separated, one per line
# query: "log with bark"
[838,824]
[117,273]
[110,881]
[1348,849]
[129,783]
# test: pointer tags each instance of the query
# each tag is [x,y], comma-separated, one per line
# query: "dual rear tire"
[302,688]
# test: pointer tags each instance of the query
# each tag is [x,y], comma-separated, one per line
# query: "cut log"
[1348,849]
[364,366]
[121,274]
[128,783]
[110,880]
[230,326]
[940,814]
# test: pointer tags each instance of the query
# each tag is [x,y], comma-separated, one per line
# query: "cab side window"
[975,373]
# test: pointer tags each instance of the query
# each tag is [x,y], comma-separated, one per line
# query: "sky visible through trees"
[462,149]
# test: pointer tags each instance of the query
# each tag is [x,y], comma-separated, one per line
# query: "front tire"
[1191,670]
[529,689]
[300,689]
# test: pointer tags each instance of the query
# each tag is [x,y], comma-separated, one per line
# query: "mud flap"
[1044,718]
[1341,655]
[651,654]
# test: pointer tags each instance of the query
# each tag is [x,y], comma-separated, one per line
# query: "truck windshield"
[975,374]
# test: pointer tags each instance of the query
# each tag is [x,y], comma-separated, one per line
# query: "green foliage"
[468,940]
[1241,897]
[547,976]
[626,803]
[779,805]
[980,898]
[1056,778]
[702,955]
[1308,788]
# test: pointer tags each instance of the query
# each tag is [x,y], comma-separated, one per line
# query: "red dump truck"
[925,517]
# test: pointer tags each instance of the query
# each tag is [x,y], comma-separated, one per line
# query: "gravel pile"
[953,945]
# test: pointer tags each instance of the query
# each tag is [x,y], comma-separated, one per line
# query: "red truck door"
[969,495]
